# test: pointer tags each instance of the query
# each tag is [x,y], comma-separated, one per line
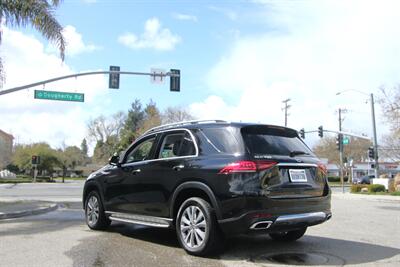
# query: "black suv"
[209,179]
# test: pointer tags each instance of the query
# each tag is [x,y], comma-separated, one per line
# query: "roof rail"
[182,123]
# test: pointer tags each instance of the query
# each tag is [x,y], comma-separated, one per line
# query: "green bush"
[335,179]
[356,188]
[373,188]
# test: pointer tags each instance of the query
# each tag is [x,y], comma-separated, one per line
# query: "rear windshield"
[263,140]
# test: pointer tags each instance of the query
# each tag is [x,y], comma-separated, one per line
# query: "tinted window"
[223,140]
[262,140]
[177,145]
[141,151]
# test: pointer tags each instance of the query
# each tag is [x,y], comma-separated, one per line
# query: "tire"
[197,228]
[95,216]
[288,236]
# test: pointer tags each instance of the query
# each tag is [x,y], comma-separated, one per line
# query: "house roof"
[3,133]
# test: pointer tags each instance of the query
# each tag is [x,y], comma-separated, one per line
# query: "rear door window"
[177,144]
[268,140]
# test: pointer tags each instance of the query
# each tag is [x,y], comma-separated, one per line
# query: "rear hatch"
[290,169]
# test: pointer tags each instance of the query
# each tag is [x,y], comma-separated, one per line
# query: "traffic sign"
[61,96]
[346,140]
[158,76]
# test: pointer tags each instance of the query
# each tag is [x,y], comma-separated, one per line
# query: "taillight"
[322,168]
[247,166]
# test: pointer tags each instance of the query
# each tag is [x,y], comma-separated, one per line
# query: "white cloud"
[315,50]
[154,37]
[180,16]
[74,43]
[30,120]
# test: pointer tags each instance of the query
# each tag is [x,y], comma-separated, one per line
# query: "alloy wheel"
[92,210]
[193,227]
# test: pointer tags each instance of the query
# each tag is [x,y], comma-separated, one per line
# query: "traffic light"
[113,78]
[371,152]
[175,81]
[339,140]
[35,160]
[302,134]
[320,131]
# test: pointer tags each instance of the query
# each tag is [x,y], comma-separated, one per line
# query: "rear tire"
[95,216]
[288,236]
[197,228]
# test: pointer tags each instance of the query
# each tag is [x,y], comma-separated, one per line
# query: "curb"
[18,214]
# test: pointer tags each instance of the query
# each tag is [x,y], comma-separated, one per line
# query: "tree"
[23,155]
[176,114]
[84,147]
[39,14]
[106,133]
[390,103]
[132,124]
[152,117]
[357,149]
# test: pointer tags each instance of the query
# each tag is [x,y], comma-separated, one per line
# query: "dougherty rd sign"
[61,96]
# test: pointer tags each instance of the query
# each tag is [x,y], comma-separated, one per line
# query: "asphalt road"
[364,231]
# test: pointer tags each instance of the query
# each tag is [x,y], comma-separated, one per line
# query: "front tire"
[95,216]
[288,236]
[197,228]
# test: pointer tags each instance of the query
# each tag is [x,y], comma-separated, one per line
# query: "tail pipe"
[262,225]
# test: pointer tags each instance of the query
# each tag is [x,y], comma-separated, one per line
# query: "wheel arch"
[198,189]
[89,187]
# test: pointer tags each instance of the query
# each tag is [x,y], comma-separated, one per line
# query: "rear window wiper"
[297,152]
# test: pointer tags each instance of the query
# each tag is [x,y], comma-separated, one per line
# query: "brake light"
[247,166]
[322,168]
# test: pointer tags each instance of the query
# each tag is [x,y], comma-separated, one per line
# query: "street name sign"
[61,96]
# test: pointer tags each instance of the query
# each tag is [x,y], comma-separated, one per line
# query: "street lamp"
[371,95]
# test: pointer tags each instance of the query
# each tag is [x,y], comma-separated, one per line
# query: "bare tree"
[390,103]
[176,114]
[102,128]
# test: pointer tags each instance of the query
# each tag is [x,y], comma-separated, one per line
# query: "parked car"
[210,179]
[363,179]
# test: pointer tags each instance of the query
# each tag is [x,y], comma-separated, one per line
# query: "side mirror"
[114,160]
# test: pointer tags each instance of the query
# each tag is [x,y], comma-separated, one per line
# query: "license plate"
[297,176]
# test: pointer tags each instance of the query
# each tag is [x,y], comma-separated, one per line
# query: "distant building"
[6,144]
[364,168]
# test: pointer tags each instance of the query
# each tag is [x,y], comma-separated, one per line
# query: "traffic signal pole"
[375,138]
[15,89]
[341,151]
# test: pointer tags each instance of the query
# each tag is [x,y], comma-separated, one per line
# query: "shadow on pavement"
[335,251]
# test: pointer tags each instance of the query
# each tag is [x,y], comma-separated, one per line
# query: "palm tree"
[37,13]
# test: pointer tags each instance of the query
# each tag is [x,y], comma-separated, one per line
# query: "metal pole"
[286,109]
[341,150]
[15,89]
[375,138]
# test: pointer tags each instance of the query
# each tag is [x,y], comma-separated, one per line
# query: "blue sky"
[238,61]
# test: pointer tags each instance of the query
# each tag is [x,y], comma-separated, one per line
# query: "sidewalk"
[381,198]
[16,209]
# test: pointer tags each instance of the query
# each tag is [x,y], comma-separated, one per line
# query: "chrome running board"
[140,219]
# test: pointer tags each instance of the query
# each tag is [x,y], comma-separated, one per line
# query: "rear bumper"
[279,218]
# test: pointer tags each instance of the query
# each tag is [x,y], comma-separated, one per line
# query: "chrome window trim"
[171,158]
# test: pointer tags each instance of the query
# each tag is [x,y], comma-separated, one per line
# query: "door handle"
[178,167]
[136,171]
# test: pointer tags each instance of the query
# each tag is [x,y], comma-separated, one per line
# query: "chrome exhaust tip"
[261,225]
[328,216]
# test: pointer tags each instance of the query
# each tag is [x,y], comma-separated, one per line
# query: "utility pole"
[375,138]
[286,107]
[341,147]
